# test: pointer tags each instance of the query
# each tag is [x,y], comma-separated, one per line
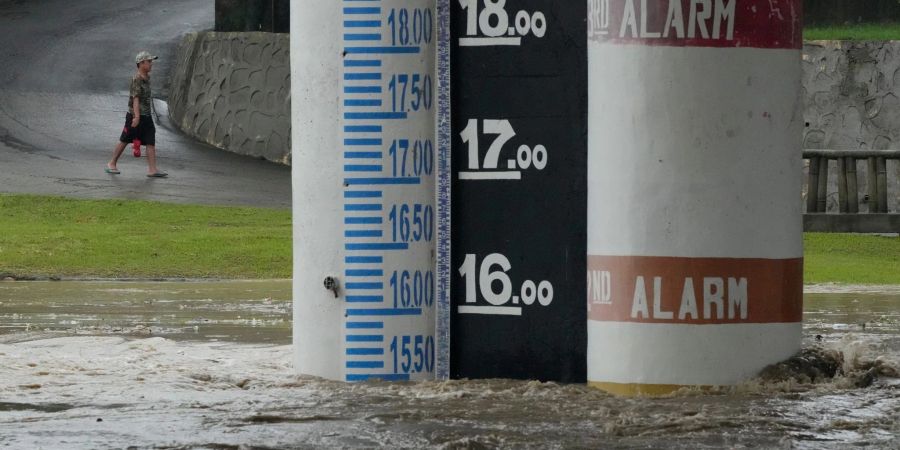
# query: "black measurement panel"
[519,190]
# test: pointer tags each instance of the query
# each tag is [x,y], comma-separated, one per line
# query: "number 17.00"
[526,157]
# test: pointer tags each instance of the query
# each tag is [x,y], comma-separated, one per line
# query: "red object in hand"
[137,148]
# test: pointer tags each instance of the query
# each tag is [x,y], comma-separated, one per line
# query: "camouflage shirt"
[140,88]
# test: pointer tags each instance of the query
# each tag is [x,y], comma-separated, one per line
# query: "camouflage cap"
[144,56]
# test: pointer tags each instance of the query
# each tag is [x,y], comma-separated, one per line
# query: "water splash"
[851,362]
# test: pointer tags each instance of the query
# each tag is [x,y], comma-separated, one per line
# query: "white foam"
[159,392]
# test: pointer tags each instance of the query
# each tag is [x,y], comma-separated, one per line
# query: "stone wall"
[851,91]
[233,90]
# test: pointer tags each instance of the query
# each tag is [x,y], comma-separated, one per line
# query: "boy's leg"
[124,139]
[151,160]
[149,138]
[117,152]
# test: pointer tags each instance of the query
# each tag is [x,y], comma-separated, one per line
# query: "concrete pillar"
[363,183]
[694,175]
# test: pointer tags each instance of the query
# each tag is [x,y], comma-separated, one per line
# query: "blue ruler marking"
[363,220]
[365,364]
[362,233]
[379,115]
[377,246]
[362,207]
[364,325]
[363,155]
[362,103]
[362,129]
[362,36]
[364,338]
[365,299]
[362,63]
[362,89]
[364,286]
[390,50]
[363,259]
[382,181]
[362,24]
[362,194]
[354,351]
[352,10]
[363,141]
[351,76]
[380,312]
[368,57]
[363,168]
[363,273]
[375,376]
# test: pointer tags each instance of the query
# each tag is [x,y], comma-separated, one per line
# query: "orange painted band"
[700,291]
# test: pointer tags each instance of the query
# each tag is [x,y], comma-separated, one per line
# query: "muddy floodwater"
[208,365]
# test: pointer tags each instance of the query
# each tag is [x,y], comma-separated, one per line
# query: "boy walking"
[139,128]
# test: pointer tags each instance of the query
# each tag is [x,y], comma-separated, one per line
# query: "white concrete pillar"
[363,101]
[694,181]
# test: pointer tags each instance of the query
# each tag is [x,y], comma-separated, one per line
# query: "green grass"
[50,236]
[851,259]
[861,32]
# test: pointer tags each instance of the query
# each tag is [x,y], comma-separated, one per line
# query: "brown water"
[207,365]
[242,311]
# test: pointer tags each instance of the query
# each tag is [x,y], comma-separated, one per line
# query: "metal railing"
[878,219]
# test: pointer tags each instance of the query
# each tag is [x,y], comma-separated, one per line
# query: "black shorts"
[145,131]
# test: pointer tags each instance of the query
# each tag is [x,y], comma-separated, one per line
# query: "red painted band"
[694,290]
[773,24]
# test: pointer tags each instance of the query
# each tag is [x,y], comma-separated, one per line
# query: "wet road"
[63,93]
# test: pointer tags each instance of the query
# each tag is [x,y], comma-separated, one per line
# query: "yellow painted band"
[640,390]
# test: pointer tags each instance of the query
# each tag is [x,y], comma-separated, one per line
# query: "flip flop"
[157,175]
[112,171]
